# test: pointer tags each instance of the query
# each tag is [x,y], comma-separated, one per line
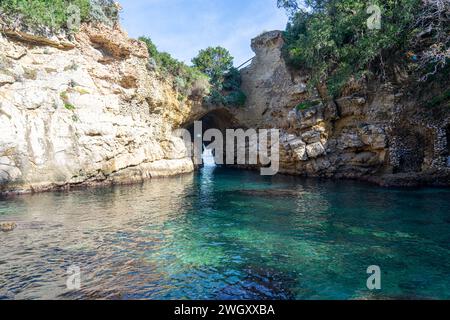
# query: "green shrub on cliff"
[307,105]
[333,40]
[104,12]
[217,63]
[50,13]
[212,75]
[231,85]
[187,81]
[164,61]
[440,100]
[214,62]
[56,14]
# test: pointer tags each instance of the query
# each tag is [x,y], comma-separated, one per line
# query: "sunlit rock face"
[86,113]
[89,110]
[267,82]
[373,131]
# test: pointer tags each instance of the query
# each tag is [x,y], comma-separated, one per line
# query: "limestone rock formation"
[267,82]
[88,110]
[86,113]
[381,132]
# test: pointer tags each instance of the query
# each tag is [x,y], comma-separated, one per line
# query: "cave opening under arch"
[220,119]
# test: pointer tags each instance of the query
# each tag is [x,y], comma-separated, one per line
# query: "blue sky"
[183,27]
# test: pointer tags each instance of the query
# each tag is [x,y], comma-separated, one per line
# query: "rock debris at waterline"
[7,226]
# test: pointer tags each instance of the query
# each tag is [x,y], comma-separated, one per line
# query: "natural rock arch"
[220,119]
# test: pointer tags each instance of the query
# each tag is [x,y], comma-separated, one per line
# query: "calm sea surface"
[226,234]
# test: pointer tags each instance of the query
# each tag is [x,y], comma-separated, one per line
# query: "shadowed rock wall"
[378,132]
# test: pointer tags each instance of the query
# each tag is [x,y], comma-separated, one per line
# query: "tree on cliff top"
[217,63]
[186,80]
[214,62]
[333,40]
[291,6]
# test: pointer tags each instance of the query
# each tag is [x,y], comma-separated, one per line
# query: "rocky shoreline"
[93,114]
[384,133]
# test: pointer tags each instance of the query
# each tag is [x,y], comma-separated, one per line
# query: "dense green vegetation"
[439,100]
[231,84]
[217,63]
[214,62]
[307,105]
[212,74]
[58,14]
[188,81]
[333,40]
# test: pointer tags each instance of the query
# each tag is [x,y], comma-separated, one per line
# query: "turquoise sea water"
[226,234]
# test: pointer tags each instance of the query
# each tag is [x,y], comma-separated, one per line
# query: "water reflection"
[226,234]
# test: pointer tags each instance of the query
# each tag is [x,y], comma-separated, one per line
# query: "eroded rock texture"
[379,132]
[89,112]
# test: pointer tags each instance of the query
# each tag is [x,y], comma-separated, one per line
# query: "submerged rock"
[7,226]
[271,193]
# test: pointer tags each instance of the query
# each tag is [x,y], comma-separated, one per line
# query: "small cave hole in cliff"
[220,119]
[412,151]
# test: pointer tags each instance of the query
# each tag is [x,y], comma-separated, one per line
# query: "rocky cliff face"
[378,132]
[84,112]
[89,110]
